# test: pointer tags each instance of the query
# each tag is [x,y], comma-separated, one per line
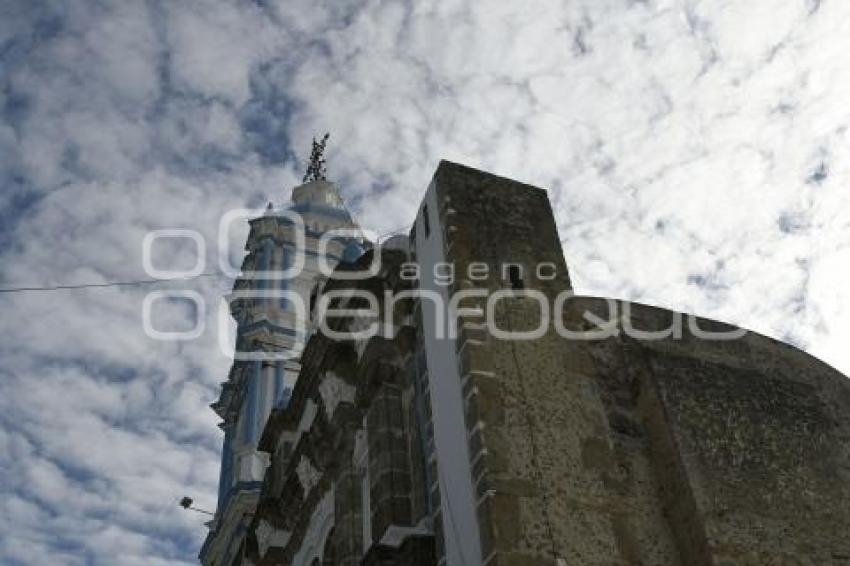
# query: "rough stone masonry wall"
[537,432]
[389,461]
[749,439]
[762,436]
[624,451]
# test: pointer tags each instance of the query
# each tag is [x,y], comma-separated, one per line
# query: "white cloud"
[695,153]
[215,46]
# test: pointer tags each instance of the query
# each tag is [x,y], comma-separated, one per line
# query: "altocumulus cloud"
[696,154]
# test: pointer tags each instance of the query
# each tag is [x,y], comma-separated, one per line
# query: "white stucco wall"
[460,523]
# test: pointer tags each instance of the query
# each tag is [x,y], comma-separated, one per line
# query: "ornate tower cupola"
[271,305]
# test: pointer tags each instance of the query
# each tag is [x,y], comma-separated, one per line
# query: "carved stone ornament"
[268,536]
[308,475]
[333,391]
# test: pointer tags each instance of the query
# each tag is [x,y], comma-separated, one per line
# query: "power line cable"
[135,282]
[109,284]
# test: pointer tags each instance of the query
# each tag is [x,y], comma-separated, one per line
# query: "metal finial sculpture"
[316,170]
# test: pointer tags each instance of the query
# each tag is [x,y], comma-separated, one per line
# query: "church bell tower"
[288,250]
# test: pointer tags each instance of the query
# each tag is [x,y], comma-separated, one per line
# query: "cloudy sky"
[696,154]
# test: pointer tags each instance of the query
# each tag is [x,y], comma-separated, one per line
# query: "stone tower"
[499,237]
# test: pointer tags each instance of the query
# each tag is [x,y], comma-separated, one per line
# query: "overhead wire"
[107,284]
[35,288]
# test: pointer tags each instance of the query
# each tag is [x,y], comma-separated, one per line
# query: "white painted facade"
[460,521]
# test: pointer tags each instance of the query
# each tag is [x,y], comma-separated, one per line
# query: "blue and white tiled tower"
[271,304]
